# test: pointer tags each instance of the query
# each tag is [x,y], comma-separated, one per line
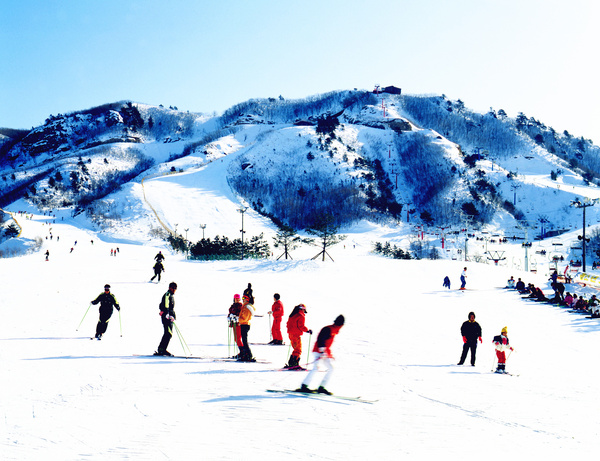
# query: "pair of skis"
[321,396]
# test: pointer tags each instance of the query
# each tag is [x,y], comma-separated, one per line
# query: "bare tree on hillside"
[327,234]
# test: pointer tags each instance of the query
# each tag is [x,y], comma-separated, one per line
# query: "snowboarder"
[107,300]
[167,316]
[322,354]
[246,313]
[463,279]
[446,282]
[248,292]
[470,331]
[233,317]
[502,345]
[158,268]
[159,257]
[277,311]
[296,328]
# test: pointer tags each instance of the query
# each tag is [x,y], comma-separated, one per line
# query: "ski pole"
[270,328]
[120,325]
[229,340]
[77,329]
[308,349]
[182,340]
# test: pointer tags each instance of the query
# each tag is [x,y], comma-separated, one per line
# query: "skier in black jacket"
[470,331]
[158,268]
[107,300]
[167,314]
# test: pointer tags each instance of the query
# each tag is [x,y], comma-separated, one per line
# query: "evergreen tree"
[287,238]
[327,234]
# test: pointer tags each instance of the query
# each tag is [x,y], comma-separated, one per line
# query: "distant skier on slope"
[502,345]
[470,331]
[277,311]
[446,282]
[167,317]
[159,257]
[107,300]
[463,279]
[248,292]
[296,328]
[322,354]
[158,268]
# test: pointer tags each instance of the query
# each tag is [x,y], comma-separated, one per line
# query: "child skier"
[502,345]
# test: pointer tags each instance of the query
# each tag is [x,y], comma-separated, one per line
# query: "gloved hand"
[170,317]
[480,340]
[464,339]
[118,308]
[309,332]
[511,349]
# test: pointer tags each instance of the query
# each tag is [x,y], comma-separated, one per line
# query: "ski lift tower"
[578,204]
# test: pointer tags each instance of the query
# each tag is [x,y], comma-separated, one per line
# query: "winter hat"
[339,321]
[276,296]
[504,330]
[173,285]
[237,296]
[107,287]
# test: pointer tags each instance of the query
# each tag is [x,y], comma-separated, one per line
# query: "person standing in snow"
[248,292]
[296,328]
[277,311]
[246,313]
[158,268]
[446,282]
[322,354]
[233,317]
[159,257]
[501,344]
[167,317]
[107,300]
[471,332]
[463,279]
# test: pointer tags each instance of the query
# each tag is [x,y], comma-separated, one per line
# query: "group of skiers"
[241,312]
[240,315]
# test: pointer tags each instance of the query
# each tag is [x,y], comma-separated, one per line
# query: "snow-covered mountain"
[352,155]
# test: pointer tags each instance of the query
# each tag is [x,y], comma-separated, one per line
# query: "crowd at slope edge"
[579,303]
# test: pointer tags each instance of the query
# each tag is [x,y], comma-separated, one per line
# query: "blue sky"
[539,57]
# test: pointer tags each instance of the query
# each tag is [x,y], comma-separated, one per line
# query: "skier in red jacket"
[296,328]
[277,311]
[322,353]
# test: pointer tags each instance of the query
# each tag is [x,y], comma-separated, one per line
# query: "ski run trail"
[65,397]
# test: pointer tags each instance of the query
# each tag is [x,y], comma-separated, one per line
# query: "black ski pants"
[168,333]
[472,345]
[102,325]
[245,352]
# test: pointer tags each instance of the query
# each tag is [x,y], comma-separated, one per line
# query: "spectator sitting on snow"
[511,283]
[581,305]
[568,300]
[520,286]
[593,304]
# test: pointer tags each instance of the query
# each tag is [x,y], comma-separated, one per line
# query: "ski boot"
[304,389]
[322,390]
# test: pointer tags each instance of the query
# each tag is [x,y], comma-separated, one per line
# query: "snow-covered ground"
[66,397]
